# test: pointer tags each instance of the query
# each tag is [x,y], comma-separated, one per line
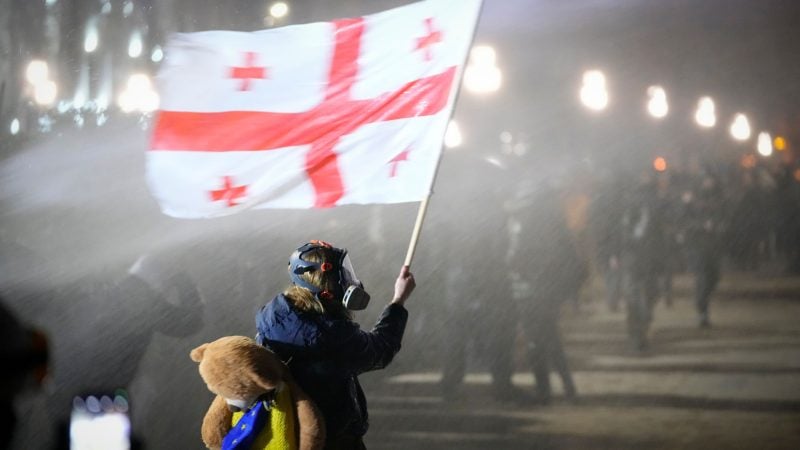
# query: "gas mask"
[349,288]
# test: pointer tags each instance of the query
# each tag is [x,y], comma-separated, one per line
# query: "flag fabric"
[351,111]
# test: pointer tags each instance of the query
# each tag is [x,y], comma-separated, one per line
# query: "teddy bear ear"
[197,354]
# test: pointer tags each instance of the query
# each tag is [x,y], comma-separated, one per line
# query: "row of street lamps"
[482,76]
[594,96]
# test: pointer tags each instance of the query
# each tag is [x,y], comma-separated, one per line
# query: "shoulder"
[278,306]
[279,321]
[278,316]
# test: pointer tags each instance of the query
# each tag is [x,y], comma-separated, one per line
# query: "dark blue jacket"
[326,354]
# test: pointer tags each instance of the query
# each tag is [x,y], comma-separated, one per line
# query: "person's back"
[643,233]
[702,226]
[325,356]
[547,270]
[543,252]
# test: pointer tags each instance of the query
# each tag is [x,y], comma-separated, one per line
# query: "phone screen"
[100,423]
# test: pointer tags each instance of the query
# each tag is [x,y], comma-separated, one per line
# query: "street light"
[452,137]
[740,127]
[36,72]
[91,40]
[594,94]
[157,54]
[764,144]
[127,9]
[657,106]
[780,143]
[705,115]
[482,76]
[45,92]
[138,95]
[135,45]
[279,10]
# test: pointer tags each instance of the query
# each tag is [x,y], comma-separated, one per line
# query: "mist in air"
[610,257]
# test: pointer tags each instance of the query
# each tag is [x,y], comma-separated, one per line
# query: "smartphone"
[100,422]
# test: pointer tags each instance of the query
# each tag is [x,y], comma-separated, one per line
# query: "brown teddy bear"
[246,378]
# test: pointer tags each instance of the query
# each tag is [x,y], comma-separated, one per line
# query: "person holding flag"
[352,111]
[310,328]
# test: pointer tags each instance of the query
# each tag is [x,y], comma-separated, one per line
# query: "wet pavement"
[733,386]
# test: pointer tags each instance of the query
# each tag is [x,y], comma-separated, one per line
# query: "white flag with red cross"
[308,116]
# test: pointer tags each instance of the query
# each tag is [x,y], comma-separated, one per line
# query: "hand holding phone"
[100,422]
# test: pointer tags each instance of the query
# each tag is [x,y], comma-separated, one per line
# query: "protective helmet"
[348,287]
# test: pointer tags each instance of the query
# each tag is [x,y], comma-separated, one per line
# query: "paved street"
[735,386]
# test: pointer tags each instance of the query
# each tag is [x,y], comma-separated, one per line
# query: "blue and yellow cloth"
[267,425]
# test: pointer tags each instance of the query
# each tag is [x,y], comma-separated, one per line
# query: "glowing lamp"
[740,127]
[764,145]
[657,105]
[705,115]
[279,10]
[780,143]
[593,93]
[452,137]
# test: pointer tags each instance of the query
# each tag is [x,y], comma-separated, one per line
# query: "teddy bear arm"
[216,423]
[310,423]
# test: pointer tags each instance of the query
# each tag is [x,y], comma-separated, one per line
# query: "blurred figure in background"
[546,270]
[478,308]
[102,336]
[642,228]
[668,202]
[701,229]
[787,230]
[605,212]
[748,230]
[576,204]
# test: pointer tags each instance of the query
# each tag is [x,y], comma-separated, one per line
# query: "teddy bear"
[252,384]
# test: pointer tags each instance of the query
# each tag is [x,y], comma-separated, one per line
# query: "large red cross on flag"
[345,112]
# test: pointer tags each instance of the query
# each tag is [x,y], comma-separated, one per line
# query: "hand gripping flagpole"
[423,205]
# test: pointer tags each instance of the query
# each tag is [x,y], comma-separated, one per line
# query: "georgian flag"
[345,112]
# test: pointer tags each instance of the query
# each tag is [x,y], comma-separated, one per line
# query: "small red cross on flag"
[433,36]
[228,193]
[248,72]
[394,162]
[317,127]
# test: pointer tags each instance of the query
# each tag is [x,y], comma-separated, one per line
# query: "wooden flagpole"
[423,205]
[412,246]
